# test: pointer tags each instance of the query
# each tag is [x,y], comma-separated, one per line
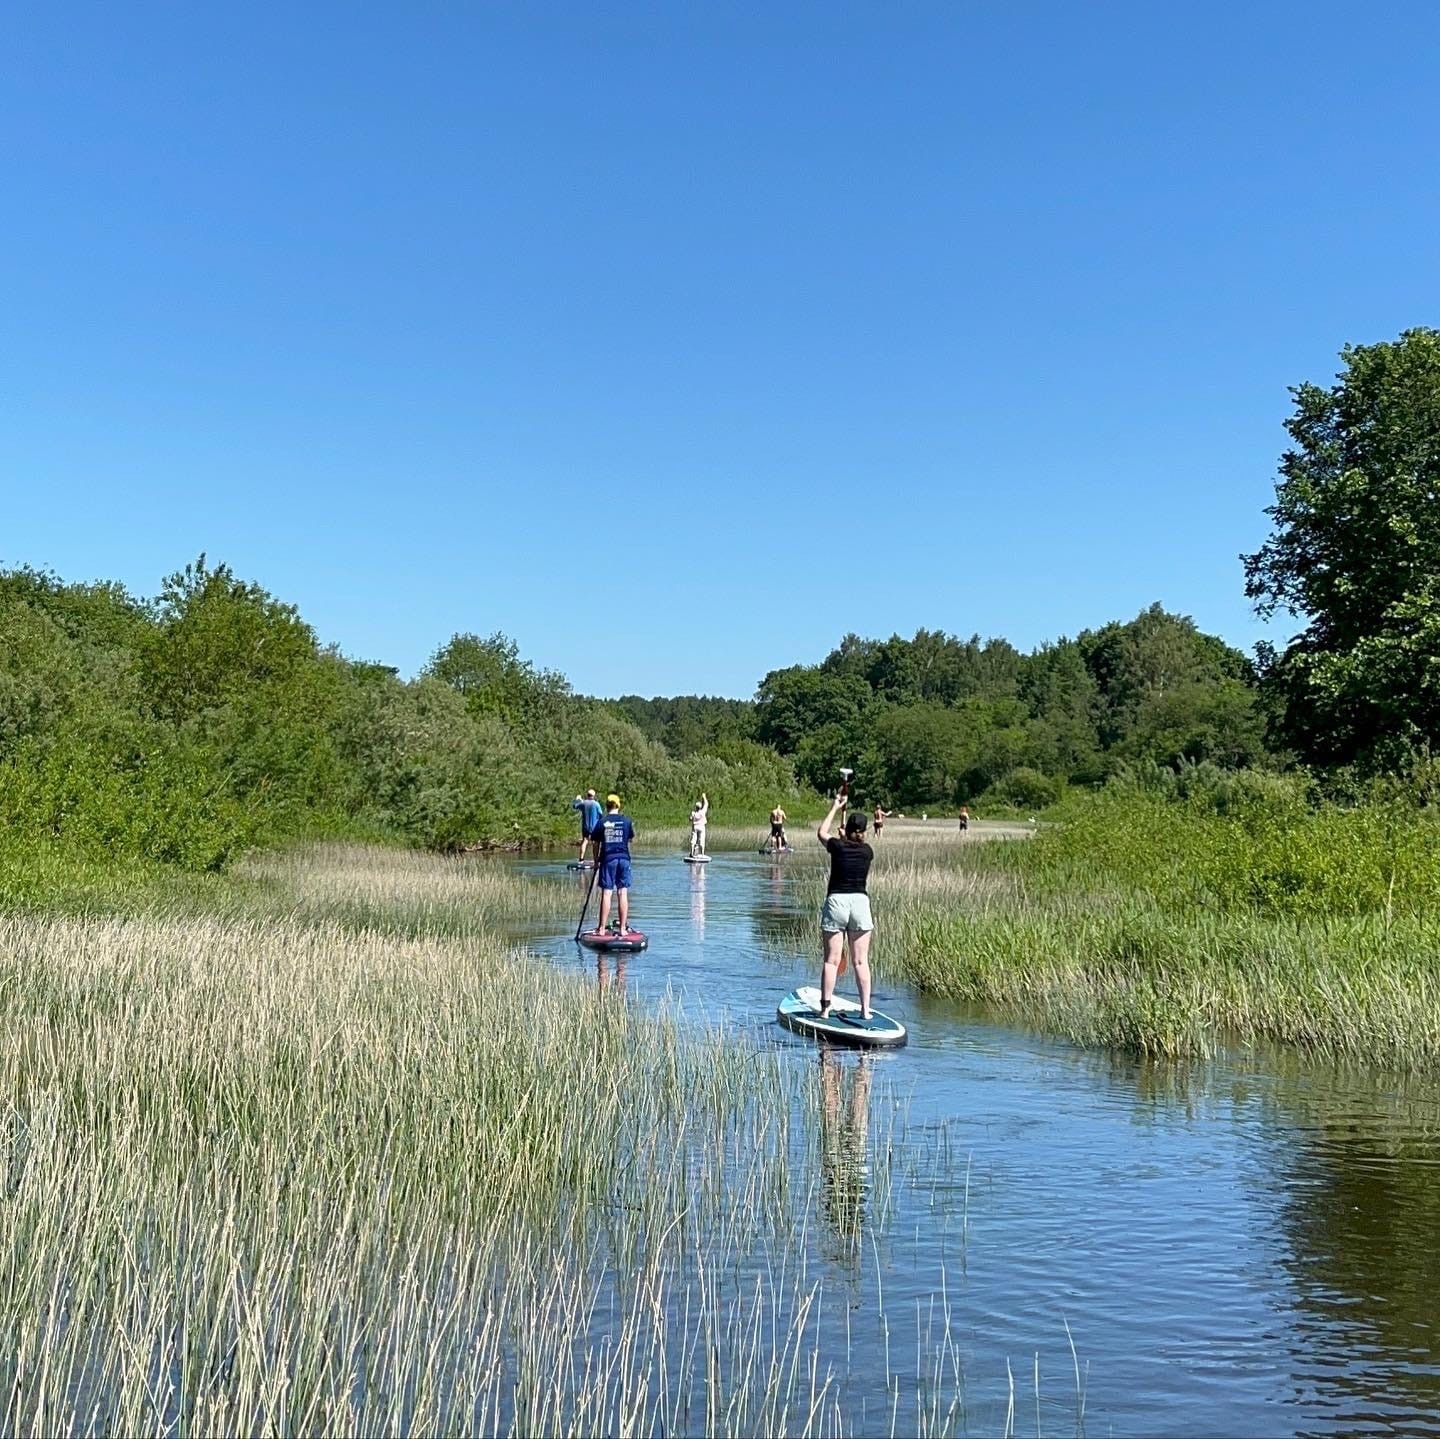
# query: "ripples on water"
[1245,1246]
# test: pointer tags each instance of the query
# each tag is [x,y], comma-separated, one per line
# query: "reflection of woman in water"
[697,899]
[844,1143]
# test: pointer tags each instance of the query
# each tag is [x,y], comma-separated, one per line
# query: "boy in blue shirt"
[614,834]
[590,814]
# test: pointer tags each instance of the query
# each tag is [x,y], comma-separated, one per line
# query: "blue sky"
[678,340]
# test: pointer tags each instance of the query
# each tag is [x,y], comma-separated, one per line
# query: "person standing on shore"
[846,912]
[777,829]
[590,815]
[964,818]
[613,835]
[881,815]
[699,817]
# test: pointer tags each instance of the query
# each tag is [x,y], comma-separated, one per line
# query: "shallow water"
[1245,1246]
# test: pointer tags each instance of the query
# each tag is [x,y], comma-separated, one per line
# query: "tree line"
[189,725]
[938,720]
[1353,556]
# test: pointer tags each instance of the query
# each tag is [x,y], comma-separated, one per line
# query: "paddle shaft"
[585,909]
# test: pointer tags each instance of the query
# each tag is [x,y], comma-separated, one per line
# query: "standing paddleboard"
[625,940]
[799,1011]
[697,859]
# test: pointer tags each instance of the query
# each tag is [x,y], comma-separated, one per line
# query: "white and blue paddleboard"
[697,859]
[581,864]
[799,1011]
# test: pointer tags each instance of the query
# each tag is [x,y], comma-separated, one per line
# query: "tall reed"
[298,1167]
[1109,935]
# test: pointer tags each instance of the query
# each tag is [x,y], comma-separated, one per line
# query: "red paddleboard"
[630,939]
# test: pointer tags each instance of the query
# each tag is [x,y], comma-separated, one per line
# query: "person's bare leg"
[829,966]
[604,909]
[624,911]
[860,957]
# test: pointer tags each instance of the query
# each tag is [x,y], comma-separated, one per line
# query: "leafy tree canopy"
[1355,552]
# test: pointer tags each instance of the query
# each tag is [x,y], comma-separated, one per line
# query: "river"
[1249,1245]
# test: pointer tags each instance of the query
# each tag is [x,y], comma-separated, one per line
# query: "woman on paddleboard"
[699,818]
[846,912]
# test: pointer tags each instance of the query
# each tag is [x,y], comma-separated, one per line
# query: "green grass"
[1157,928]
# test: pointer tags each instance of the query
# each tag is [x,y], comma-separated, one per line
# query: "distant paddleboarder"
[777,829]
[590,816]
[614,834]
[964,818]
[881,815]
[846,913]
[699,817]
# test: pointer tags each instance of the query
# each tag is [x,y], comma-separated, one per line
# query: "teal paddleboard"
[799,1012]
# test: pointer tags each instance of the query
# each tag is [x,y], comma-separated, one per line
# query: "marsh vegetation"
[331,1157]
[1146,923]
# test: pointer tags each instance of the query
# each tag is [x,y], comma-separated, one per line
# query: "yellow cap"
[613,799]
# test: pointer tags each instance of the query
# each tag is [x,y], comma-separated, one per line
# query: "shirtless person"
[881,815]
[777,830]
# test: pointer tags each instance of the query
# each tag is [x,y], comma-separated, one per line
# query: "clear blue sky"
[677,340]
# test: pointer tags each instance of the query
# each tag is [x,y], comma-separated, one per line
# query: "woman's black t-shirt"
[849,865]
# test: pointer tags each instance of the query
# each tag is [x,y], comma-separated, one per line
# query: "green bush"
[1022,788]
[1267,851]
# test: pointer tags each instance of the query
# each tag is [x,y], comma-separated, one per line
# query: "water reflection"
[605,976]
[776,918]
[1241,1245]
[1360,1205]
[697,900]
[844,1145]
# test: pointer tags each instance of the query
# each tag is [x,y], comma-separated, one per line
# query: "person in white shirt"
[699,816]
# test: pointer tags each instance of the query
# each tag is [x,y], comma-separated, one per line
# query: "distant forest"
[935,720]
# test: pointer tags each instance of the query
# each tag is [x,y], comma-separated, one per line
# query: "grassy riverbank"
[1152,926]
[310,1149]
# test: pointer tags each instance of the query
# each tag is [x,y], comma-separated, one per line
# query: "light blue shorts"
[846,913]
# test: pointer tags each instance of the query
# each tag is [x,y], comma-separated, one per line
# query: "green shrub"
[1022,788]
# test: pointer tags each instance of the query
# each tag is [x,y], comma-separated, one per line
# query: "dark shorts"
[776,830]
[615,873]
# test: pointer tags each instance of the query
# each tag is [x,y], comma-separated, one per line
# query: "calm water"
[1248,1246]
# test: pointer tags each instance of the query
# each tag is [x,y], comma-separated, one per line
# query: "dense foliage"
[184,728]
[936,719]
[1355,551]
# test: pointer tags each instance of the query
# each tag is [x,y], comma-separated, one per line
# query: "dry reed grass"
[279,1169]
